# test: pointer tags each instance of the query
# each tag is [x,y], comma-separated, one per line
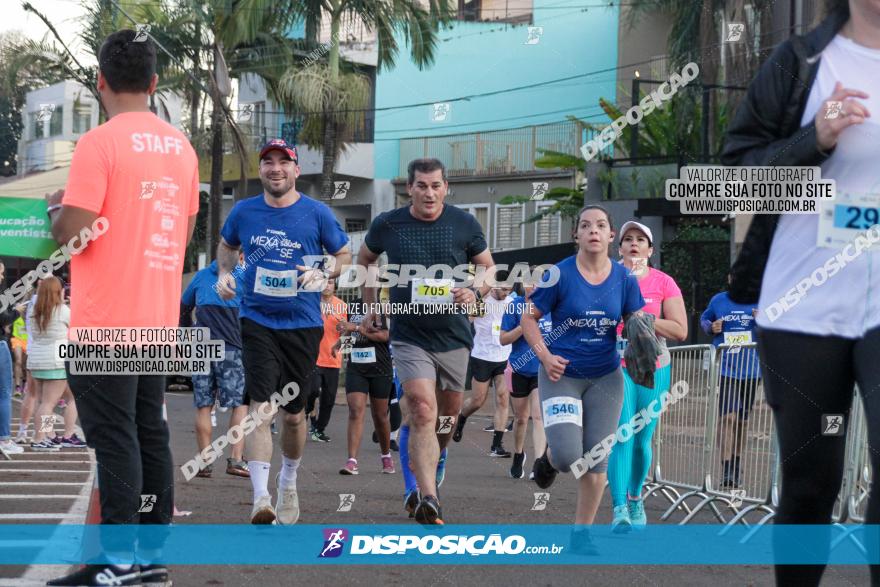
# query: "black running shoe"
[319,436]
[411,502]
[428,511]
[491,427]
[544,472]
[459,429]
[499,453]
[155,576]
[100,575]
[516,469]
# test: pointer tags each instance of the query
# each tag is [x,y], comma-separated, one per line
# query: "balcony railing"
[499,152]
[255,137]
[511,11]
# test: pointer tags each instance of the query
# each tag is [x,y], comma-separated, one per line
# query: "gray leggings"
[602,400]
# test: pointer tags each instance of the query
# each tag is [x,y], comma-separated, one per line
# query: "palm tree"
[696,36]
[16,80]
[232,37]
[245,37]
[661,136]
[334,96]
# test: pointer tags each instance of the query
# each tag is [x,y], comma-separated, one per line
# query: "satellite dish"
[221,73]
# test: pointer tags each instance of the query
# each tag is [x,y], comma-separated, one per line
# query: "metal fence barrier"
[724,419]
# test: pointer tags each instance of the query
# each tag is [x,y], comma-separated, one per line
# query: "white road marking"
[45,496]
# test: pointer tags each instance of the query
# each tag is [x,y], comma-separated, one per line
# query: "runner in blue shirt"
[225,382]
[524,365]
[282,234]
[579,380]
[734,325]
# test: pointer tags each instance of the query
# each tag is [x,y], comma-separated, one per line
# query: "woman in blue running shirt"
[580,380]
[523,380]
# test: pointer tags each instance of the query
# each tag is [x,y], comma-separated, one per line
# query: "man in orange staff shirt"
[325,380]
[141,175]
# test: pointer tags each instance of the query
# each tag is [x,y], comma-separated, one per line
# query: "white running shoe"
[288,504]
[10,448]
[263,512]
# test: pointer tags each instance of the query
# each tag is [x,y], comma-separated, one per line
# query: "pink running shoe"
[350,468]
[387,465]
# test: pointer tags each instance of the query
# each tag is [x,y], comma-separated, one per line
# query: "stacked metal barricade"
[687,469]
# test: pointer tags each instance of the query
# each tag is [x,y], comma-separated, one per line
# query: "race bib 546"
[562,410]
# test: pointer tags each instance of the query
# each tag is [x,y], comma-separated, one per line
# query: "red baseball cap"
[280,145]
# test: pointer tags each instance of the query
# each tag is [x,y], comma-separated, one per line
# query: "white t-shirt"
[848,303]
[487,331]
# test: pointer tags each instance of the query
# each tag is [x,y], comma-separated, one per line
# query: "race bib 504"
[279,284]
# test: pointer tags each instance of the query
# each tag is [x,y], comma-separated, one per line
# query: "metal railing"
[498,152]
[695,434]
[476,11]
[256,136]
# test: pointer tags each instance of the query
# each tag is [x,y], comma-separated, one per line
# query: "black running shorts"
[484,371]
[378,386]
[274,358]
[522,385]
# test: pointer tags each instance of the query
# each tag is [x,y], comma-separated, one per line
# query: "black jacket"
[767,132]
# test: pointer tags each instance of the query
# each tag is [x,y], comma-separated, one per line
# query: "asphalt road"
[477,490]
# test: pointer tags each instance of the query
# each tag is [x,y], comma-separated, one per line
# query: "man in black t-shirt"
[430,348]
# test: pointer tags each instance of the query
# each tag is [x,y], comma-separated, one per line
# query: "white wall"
[40,154]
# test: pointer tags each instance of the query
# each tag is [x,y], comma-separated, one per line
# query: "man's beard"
[267,187]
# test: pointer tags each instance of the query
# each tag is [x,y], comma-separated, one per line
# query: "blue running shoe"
[411,501]
[637,514]
[621,522]
[441,469]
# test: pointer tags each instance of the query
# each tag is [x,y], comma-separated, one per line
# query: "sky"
[62,13]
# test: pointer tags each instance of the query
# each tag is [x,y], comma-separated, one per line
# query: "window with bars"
[355,224]
[508,227]
[36,126]
[56,122]
[82,120]
[547,229]
[252,119]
